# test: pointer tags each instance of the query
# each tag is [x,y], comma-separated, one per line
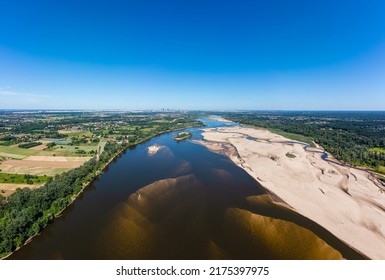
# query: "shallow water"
[184,202]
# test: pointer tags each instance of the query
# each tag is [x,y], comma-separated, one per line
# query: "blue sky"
[192,54]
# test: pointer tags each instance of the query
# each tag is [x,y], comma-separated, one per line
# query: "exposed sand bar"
[220,119]
[346,201]
[152,150]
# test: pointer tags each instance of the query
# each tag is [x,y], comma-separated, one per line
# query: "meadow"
[20,153]
[22,179]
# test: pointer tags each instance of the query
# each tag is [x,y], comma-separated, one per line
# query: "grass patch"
[293,136]
[377,150]
[70,151]
[381,169]
[16,153]
[76,133]
[147,130]
[22,179]
[290,155]
[20,153]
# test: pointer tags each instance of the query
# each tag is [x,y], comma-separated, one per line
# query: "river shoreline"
[341,199]
[85,185]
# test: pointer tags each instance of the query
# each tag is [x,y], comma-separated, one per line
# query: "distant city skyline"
[192,55]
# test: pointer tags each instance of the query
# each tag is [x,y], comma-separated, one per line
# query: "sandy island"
[220,119]
[348,202]
[152,150]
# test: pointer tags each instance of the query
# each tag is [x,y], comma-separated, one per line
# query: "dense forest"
[357,138]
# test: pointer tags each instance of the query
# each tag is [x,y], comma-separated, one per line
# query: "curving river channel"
[182,202]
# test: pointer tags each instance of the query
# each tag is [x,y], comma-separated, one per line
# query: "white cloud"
[8,91]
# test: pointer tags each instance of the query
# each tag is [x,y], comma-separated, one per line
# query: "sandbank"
[152,150]
[349,202]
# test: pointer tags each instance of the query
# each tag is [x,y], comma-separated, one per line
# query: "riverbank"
[72,199]
[88,178]
[342,199]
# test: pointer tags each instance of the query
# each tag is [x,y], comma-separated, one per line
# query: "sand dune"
[345,201]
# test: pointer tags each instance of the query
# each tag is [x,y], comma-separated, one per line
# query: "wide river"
[183,202]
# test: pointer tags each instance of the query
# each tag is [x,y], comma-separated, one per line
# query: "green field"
[290,155]
[16,153]
[77,133]
[22,179]
[58,150]
[70,151]
[19,153]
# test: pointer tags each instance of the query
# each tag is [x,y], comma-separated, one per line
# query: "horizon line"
[202,110]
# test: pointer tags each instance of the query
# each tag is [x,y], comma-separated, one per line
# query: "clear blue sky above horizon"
[192,54]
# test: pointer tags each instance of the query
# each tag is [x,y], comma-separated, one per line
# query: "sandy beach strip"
[348,202]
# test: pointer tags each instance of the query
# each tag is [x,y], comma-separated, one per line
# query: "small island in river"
[182,136]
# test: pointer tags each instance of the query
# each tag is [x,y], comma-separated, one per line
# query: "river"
[183,202]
